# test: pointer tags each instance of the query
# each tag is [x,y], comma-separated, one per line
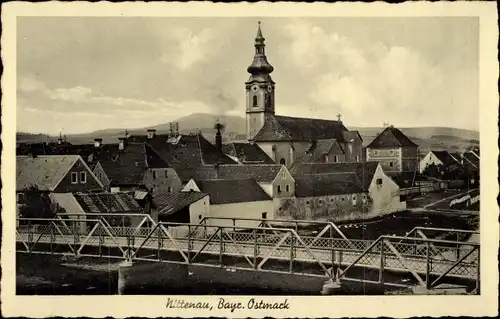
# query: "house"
[340,191]
[470,162]
[274,179]
[238,198]
[288,139]
[55,174]
[395,152]
[443,158]
[181,207]
[183,151]
[134,166]
[118,205]
[246,153]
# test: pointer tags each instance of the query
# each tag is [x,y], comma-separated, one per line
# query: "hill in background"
[437,138]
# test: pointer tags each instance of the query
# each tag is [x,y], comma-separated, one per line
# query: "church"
[287,140]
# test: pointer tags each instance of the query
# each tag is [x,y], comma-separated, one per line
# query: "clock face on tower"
[269,88]
[255,88]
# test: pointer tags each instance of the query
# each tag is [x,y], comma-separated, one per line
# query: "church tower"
[259,89]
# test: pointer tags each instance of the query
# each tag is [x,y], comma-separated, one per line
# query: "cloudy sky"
[84,74]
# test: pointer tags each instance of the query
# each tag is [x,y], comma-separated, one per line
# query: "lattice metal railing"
[190,243]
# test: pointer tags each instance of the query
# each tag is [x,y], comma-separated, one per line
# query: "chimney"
[59,140]
[151,133]
[218,136]
[121,143]
[97,142]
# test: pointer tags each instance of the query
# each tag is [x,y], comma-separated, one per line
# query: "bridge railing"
[429,261]
[441,233]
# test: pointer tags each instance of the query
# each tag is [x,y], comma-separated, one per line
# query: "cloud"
[387,82]
[190,49]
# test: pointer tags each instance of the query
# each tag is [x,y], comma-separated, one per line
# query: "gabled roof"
[127,166]
[187,151]
[170,203]
[285,128]
[351,135]
[233,191]
[391,137]
[264,173]
[247,153]
[45,172]
[107,203]
[327,184]
[445,158]
[364,171]
[471,161]
[323,147]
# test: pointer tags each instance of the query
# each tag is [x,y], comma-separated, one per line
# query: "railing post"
[101,241]
[234,225]
[478,275]
[255,247]
[221,248]
[458,247]
[382,263]
[428,265]
[30,235]
[204,228]
[292,240]
[160,244]
[331,246]
[189,245]
[340,258]
[51,238]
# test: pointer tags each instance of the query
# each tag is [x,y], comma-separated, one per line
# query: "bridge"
[429,255]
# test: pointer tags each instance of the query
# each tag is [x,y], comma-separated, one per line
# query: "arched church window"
[254,100]
[282,161]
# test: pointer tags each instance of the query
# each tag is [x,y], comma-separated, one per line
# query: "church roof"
[391,137]
[286,128]
[247,153]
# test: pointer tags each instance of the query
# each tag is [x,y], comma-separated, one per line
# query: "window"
[154,174]
[342,198]
[264,215]
[254,101]
[279,189]
[391,164]
[391,153]
[199,216]
[307,202]
[357,158]
[83,177]
[169,189]
[354,199]
[166,174]
[375,152]
[326,158]
[335,159]
[99,175]
[282,161]
[379,181]
[74,178]
[20,198]
[321,201]
[287,188]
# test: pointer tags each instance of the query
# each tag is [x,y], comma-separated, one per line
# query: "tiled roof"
[127,166]
[322,147]
[45,172]
[169,203]
[107,203]
[471,160]
[327,184]
[188,151]
[260,172]
[391,137]
[285,128]
[445,157]
[247,152]
[364,171]
[233,191]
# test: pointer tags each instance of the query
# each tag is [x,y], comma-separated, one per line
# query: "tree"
[37,204]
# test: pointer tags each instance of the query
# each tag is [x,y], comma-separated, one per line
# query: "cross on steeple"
[339,117]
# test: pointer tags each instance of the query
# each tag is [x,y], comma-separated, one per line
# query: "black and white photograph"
[258,155]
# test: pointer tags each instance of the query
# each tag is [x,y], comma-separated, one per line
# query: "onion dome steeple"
[260,64]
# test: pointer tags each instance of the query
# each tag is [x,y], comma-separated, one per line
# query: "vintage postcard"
[249,160]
